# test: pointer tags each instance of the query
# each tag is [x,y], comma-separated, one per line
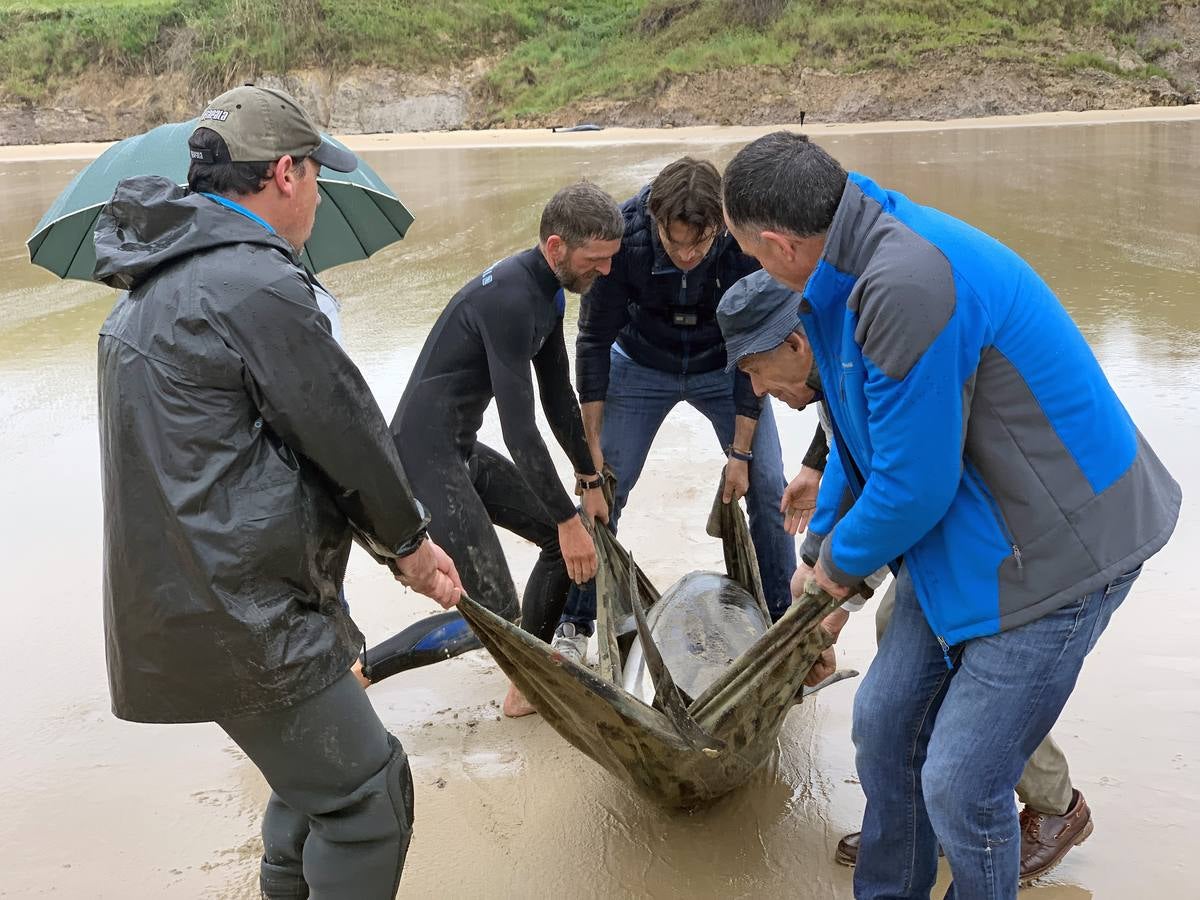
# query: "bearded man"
[480,349]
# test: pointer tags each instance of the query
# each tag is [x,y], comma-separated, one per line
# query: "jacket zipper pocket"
[998,515]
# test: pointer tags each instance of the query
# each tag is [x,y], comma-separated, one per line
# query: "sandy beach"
[707,134]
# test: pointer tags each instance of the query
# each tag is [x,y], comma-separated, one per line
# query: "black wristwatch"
[412,545]
[595,484]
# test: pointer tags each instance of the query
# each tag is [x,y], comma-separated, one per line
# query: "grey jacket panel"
[910,296]
[1064,542]
[1084,552]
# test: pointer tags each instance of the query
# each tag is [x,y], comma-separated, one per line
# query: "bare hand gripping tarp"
[680,752]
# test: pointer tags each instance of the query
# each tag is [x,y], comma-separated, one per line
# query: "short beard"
[575,282]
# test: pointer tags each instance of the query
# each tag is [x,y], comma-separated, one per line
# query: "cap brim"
[766,337]
[337,158]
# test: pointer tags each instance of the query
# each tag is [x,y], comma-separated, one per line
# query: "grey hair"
[783,182]
[582,212]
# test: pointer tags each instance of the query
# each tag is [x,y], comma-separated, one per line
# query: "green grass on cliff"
[543,54]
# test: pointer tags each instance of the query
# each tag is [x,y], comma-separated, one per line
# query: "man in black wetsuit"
[481,348]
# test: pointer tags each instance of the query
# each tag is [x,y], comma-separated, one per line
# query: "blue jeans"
[939,751]
[639,399]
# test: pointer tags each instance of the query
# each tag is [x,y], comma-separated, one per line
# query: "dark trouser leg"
[284,831]
[460,524]
[340,819]
[512,505]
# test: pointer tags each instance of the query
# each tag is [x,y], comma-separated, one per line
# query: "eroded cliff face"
[102,106]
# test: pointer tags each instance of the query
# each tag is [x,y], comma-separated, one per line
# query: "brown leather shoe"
[1046,839]
[847,850]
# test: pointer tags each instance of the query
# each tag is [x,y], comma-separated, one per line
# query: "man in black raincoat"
[241,451]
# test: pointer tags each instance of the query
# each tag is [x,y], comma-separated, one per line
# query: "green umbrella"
[358,214]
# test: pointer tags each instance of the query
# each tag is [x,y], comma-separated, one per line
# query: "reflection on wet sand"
[100,808]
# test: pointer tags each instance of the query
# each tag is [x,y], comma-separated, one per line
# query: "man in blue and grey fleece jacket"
[981,453]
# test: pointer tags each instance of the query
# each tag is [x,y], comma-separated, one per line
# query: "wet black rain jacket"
[240,452]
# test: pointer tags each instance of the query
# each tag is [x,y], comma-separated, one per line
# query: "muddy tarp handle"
[611,611]
[727,522]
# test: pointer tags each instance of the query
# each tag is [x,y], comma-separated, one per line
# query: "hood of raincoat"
[151,222]
[241,450]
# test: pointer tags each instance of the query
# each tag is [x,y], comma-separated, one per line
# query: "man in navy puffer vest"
[648,340]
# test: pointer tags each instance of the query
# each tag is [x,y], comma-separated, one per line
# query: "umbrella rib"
[375,198]
[353,231]
[46,228]
[90,233]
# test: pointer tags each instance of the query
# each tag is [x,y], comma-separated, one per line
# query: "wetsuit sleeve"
[603,312]
[818,451]
[315,400]
[558,400]
[507,331]
[919,359]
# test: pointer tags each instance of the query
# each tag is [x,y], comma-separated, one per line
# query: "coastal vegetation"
[541,55]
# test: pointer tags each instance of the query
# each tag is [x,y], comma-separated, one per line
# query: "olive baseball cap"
[259,124]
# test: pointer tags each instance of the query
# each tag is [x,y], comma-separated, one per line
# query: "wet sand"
[100,808]
[699,134]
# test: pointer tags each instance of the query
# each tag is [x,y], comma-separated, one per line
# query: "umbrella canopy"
[358,215]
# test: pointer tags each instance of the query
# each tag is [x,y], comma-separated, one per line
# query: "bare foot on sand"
[358,673]
[515,704]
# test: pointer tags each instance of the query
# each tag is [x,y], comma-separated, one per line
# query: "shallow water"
[1110,214]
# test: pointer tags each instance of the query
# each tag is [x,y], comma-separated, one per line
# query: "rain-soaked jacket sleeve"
[558,400]
[508,332]
[314,399]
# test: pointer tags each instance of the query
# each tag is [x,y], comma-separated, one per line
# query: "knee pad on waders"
[398,779]
[278,883]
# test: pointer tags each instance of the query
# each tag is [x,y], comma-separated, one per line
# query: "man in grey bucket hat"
[756,315]
[241,452]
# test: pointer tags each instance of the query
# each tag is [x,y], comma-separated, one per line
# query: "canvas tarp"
[680,752]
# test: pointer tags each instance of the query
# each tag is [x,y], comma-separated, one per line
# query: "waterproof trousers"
[340,815]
